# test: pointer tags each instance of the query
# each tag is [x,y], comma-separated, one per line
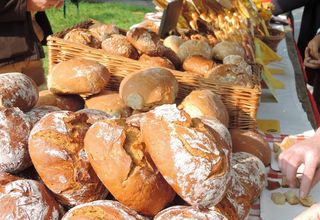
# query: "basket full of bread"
[127,154]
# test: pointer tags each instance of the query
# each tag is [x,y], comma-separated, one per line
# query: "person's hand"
[312,53]
[41,5]
[312,213]
[308,153]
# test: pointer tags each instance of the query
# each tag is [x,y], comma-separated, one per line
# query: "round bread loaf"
[191,156]
[230,74]
[250,171]
[251,142]
[194,48]
[95,115]
[173,42]
[18,90]
[148,88]
[239,61]
[64,102]
[119,45]
[22,199]
[14,132]
[118,156]
[156,62]
[83,36]
[35,114]
[188,213]
[226,48]
[78,76]
[198,64]
[109,102]
[103,31]
[102,209]
[205,103]
[148,24]
[56,150]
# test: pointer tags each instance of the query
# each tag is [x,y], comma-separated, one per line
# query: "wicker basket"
[274,39]
[242,103]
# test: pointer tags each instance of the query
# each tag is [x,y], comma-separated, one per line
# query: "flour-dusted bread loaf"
[205,103]
[78,76]
[57,153]
[103,31]
[173,42]
[119,45]
[156,62]
[22,199]
[250,172]
[102,209]
[64,102]
[95,115]
[226,48]
[194,48]
[83,36]
[117,153]
[35,114]
[191,156]
[148,88]
[18,90]
[15,128]
[198,64]
[109,102]
[189,213]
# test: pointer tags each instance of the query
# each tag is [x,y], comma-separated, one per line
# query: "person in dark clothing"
[23,27]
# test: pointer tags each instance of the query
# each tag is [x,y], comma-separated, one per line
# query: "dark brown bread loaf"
[83,36]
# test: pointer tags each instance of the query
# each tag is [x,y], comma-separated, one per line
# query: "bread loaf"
[95,115]
[189,213]
[226,48]
[102,209]
[173,42]
[148,24]
[148,88]
[103,31]
[14,132]
[26,199]
[191,156]
[119,45]
[56,150]
[18,90]
[205,103]
[156,62]
[239,61]
[198,64]
[83,36]
[118,156]
[109,102]
[78,76]
[251,142]
[35,114]
[194,48]
[64,102]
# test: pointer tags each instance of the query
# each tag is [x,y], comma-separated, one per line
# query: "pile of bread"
[220,62]
[156,159]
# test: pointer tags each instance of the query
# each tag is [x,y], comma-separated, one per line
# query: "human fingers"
[314,46]
[316,178]
[308,174]
[312,213]
[289,164]
[311,65]
[307,53]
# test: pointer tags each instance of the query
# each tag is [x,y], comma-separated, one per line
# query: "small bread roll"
[226,48]
[278,198]
[198,64]
[156,62]
[205,103]
[251,142]
[64,102]
[291,197]
[194,48]
[148,88]
[103,31]
[109,102]
[307,201]
[78,76]
[119,45]
[102,209]
[83,36]
[18,90]
[173,42]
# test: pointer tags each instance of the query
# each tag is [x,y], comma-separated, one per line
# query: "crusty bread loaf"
[194,48]
[103,31]
[64,102]
[18,90]
[230,74]
[119,45]
[173,42]
[145,89]
[102,209]
[109,102]
[148,24]
[156,62]
[250,171]
[198,64]
[83,36]
[78,76]
[118,156]
[205,103]
[189,213]
[226,48]
[35,114]
[26,199]
[56,150]
[251,142]
[191,156]
[14,132]
[95,115]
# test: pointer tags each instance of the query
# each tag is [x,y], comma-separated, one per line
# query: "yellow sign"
[269,126]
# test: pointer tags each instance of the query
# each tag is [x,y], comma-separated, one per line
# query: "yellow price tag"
[267,75]
[269,126]
[265,53]
[275,71]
